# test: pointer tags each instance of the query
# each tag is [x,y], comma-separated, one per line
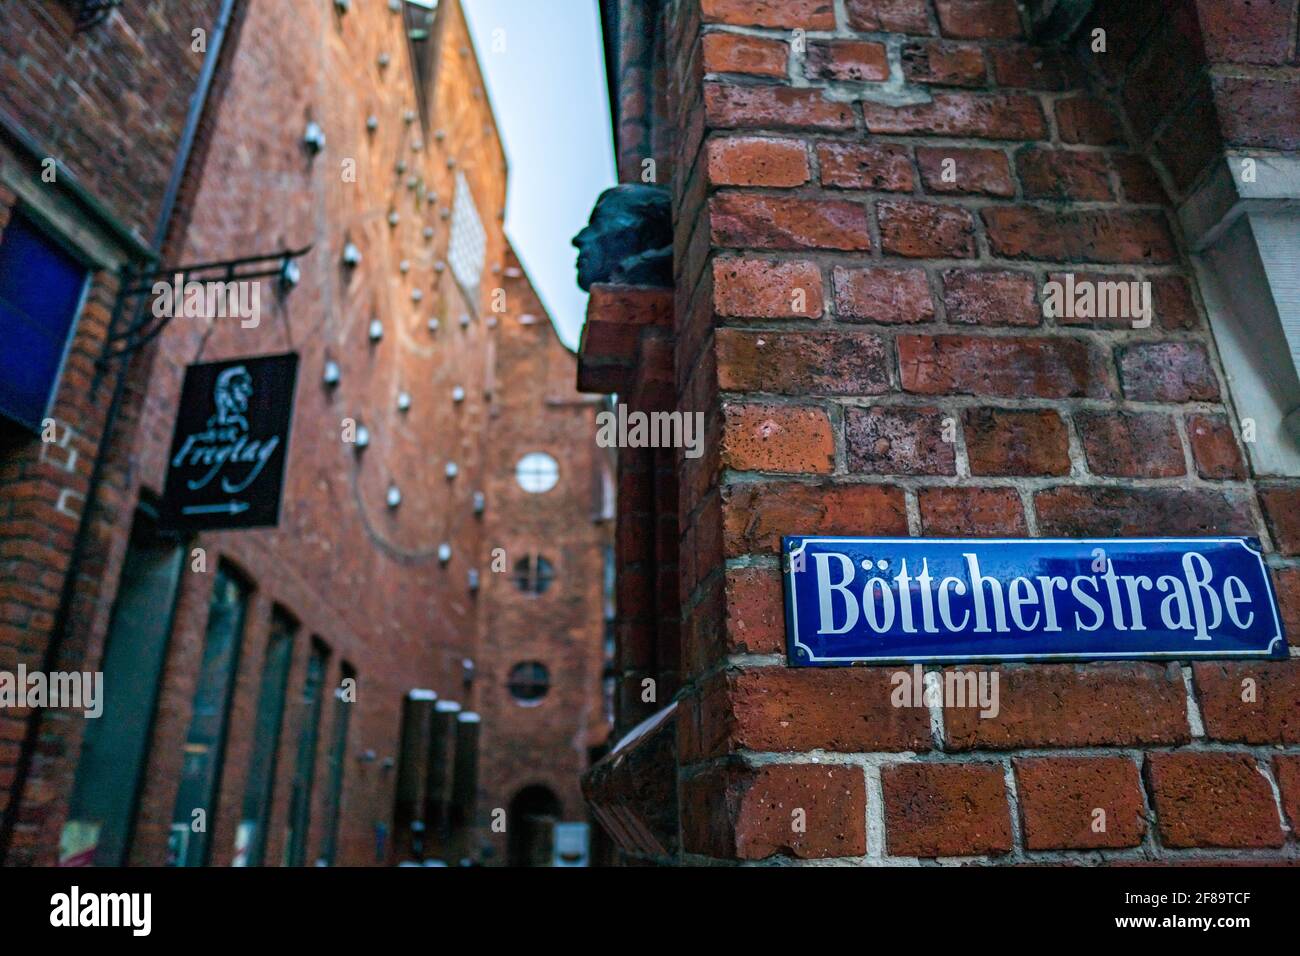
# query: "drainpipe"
[58,631]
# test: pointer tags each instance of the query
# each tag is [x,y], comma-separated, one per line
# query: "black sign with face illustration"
[226,468]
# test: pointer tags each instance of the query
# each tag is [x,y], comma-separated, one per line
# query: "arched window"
[537,472]
[533,574]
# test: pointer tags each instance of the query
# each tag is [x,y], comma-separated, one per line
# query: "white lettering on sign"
[1194,601]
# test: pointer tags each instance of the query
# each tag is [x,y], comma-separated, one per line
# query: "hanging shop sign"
[230,444]
[866,600]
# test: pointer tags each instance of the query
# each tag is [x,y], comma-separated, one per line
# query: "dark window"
[295,847]
[529,681]
[106,792]
[343,698]
[534,574]
[250,841]
[41,287]
[205,743]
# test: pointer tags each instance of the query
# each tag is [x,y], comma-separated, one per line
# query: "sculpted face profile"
[628,239]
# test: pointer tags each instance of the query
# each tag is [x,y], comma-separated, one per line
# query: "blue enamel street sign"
[853,600]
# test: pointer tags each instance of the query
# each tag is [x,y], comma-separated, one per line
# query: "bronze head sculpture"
[629,239]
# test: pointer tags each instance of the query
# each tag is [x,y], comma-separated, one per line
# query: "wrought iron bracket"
[135,288]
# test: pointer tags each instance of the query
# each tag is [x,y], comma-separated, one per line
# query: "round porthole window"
[537,472]
[529,682]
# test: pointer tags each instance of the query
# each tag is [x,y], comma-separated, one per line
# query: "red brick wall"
[109,105]
[535,408]
[817,171]
[363,578]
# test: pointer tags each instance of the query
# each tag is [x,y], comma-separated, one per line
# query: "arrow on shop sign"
[229,507]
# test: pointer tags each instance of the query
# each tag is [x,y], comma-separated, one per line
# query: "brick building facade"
[869,200]
[415,328]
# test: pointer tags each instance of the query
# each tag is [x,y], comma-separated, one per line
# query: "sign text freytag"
[230,445]
[853,600]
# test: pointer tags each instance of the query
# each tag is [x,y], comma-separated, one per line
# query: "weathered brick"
[1090,235]
[1286,768]
[1286,581]
[755,161]
[1130,444]
[765,289]
[1001,441]
[996,116]
[1214,447]
[1003,366]
[1167,372]
[782,14]
[1247,31]
[793,363]
[1256,702]
[1172,300]
[755,612]
[740,53]
[1076,511]
[852,60]
[943,63]
[888,16]
[990,297]
[782,438]
[777,222]
[1060,796]
[934,810]
[898,440]
[1138,179]
[882,295]
[1063,174]
[983,172]
[1076,705]
[1034,68]
[757,514]
[1281,508]
[924,230]
[748,813]
[727,106]
[1087,121]
[885,167]
[978,19]
[846,710]
[970,512]
[1212,800]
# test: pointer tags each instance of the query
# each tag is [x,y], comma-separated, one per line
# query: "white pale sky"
[545,75]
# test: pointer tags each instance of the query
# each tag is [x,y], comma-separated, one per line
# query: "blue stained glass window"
[40,293]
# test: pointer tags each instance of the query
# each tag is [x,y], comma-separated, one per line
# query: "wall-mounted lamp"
[473,584]
[372,123]
[464,319]
[351,255]
[409,117]
[342,5]
[394,218]
[428,232]
[480,502]
[394,496]
[376,330]
[384,60]
[433,325]
[332,373]
[444,555]
[452,469]
[403,401]
[363,438]
[313,138]
[290,274]
[417,295]
[404,266]
[458,394]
